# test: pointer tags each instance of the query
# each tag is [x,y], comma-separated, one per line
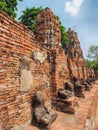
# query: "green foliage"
[29,16]
[93,65]
[64,37]
[92,61]
[9,6]
[93,53]
[96,67]
[90,64]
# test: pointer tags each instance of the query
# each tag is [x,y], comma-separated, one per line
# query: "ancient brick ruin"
[29,63]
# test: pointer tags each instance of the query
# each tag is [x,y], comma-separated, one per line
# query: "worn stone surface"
[39,56]
[42,117]
[26,80]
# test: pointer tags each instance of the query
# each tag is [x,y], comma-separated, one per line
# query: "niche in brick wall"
[26,77]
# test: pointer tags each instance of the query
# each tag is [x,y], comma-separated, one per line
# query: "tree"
[9,6]
[64,37]
[93,65]
[92,61]
[29,17]
[93,53]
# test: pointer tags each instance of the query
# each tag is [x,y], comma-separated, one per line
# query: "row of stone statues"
[42,116]
[66,100]
[75,88]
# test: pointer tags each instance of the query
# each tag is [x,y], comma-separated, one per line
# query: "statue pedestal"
[66,105]
[78,90]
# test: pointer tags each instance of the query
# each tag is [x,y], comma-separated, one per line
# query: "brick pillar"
[53,72]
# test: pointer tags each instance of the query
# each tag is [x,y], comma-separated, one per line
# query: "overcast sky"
[80,15]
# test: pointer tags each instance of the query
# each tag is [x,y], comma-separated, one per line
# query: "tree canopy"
[29,16]
[64,37]
[93,53]
[9,6]
[92,61]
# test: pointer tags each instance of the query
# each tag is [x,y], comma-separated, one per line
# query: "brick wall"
[62,71]
[24,68]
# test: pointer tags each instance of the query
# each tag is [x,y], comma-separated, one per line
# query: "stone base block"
[65,105]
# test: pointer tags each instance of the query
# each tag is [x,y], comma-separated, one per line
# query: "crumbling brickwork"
[75,56]
[47,29]
[31,62]
[48,34]
[62,71]
[24,68]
